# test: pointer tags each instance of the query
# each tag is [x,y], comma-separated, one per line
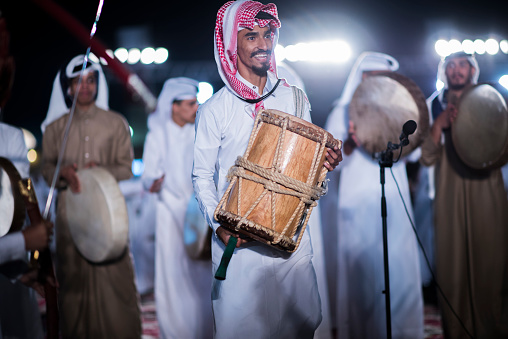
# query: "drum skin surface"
[12,207]
[480,131]
[97,216]
[380,106]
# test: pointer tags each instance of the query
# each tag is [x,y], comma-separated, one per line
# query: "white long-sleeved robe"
[267,293]
[182,284]
[361,309]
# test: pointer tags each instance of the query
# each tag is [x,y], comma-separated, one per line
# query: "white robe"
[267,293]
[182,285]
[361,309]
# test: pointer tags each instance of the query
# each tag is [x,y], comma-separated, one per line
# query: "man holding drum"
[97,300]
[267,293]
[471,219]
[182,284]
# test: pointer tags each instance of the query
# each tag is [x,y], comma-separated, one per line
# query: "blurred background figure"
[360,302]
[182,284]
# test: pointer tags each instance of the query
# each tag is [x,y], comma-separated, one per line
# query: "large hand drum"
[97,216]
[277,182]
[480,131]
[380,106]
[12,207]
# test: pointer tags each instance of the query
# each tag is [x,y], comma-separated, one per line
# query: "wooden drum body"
[276,184]
[97,216]
[12,206]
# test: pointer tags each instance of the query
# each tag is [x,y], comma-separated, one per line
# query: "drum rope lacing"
[272,179]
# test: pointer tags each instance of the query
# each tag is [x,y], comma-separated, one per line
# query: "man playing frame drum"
[470,220]
[269,293]
[97,299]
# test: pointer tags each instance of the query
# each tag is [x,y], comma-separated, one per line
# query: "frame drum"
[97,216]
[480,131]
[380,106]
[12,206]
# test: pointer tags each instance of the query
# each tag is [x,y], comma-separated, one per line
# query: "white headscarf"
[289,74]
[367,61]
[181,88]
[57,104]
[441,69]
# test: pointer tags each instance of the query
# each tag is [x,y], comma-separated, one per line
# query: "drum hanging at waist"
[277,182]
[97,216]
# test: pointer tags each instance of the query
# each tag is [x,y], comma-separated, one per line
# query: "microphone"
[408,129]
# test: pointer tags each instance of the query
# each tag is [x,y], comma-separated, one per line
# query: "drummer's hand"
[443,121]
[157,184]
[69,174]
[333,157]
[38,236]
[224,235]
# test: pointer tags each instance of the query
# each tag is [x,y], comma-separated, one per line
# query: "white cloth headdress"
[181,88]
[57,103]
[441,69]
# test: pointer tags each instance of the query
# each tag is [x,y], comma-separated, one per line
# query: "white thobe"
[182,285]
[361,309]
[267,293]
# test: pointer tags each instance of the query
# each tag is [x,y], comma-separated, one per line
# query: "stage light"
[205,91]
[503,45]
[134,56]
[454,46]
[148,55]
[31,155]
[137,167]
[131,130]
[122,54]
[479,46]
[491,46]
[280,53]
[468,46]
[439,85]
[441,47]
[503,81]
[161,55]
[336,51]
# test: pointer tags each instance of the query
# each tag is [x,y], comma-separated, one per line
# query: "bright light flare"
[441,47]
[439,85]
[503,45]
[205,92]
[137,167]
[468,46]
[335,51]
[122,54]
[148,55]
[491,46]
[134,56]
[479,46]
[32,155]
[161,55]
[503,81]
[280,53]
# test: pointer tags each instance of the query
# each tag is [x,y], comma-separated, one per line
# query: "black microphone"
[408,129]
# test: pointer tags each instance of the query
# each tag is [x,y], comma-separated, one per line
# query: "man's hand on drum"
[69,174]
[224,235]
[38,236]
[443,121]
[333,157]
[157,184]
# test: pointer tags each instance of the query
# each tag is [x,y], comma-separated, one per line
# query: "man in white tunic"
[361,304]
[182,284]
[267,293]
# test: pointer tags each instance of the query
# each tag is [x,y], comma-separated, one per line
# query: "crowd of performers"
[332,285]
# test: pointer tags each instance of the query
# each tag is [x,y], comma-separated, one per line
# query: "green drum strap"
[226,257]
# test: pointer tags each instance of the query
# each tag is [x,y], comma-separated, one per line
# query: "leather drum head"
[97,216]
[380,106]
[12,206]
[480,131]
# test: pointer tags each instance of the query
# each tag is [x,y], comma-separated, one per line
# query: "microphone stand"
[386,160]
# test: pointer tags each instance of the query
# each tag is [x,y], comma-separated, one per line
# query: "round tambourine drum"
[480,131]
[97,216]
[12,206]
[380,106]
[278,181]
[196,232]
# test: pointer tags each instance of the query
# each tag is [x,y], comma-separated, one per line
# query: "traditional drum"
[12,206]
[196,232]
[480,130]
[277,182]
[97,216]
[380,106]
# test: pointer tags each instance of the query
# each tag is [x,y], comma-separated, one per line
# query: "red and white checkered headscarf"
[230,17]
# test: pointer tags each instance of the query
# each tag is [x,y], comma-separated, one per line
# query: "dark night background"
[404,29]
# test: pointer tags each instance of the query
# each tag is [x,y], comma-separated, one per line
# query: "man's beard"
[458,87]
[261,71]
